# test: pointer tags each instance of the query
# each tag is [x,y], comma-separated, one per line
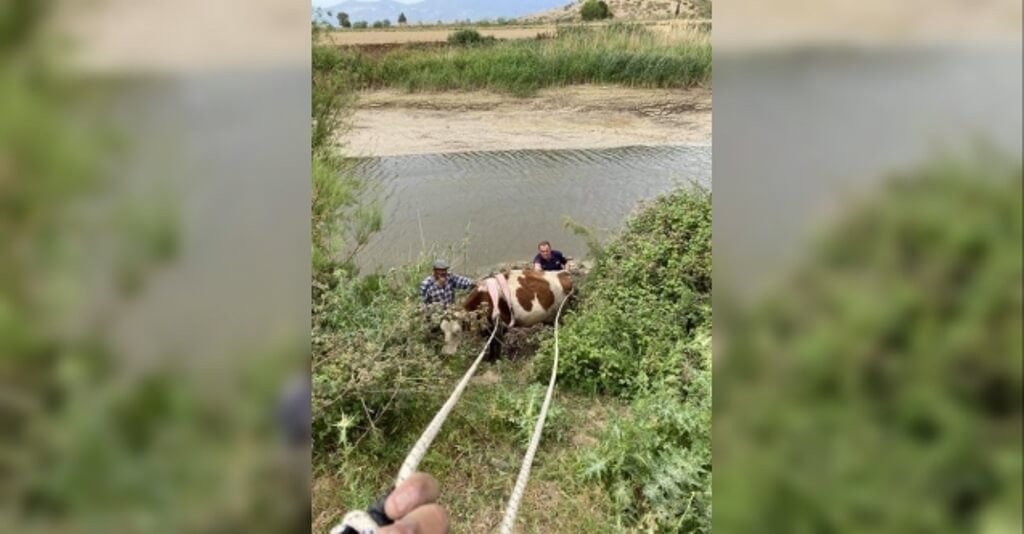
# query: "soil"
[389,122]
[412,34]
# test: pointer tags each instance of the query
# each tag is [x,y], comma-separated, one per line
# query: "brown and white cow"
[535,297]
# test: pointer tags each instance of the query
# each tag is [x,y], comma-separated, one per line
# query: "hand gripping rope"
[360,522]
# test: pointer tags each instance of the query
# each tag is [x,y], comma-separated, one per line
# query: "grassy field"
[624,54]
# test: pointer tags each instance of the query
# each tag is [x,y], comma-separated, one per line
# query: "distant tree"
[595,10]
[401,18]
[378,24]
[361,24]
[343,20]
[387,23]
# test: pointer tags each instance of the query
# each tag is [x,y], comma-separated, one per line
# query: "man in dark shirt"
[547,259]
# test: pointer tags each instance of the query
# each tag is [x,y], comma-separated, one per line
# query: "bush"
[703,8]
[655,462]
[468,37]
[642,330]
[371,352]
[595,10]
[362,24]
[881,383]
[647,301]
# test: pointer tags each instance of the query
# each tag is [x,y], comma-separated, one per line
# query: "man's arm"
[461,282]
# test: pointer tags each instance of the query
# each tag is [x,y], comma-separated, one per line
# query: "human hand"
[412,507]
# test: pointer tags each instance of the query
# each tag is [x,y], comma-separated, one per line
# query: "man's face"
[545,252]
[441,275]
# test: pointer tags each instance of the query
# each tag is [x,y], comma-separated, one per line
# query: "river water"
[493,207]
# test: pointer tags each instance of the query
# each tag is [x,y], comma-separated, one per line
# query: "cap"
[440,264]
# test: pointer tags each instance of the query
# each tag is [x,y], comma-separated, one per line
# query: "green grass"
[628,55]
[476,458]
[626,446]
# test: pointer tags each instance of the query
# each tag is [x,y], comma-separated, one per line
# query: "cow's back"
[536,295]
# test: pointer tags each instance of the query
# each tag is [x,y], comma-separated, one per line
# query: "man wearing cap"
[439,288]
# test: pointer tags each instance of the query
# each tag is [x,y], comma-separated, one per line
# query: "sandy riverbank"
[389,123]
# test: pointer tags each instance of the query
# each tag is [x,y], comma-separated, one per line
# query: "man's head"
[440,270]
[545,250]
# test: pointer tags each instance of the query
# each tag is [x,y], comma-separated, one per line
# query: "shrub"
[881,383]
[595,10]
[647,302]
[468,37]
[703,8]
[371,353]
[642,330]
[655,461]
[362,24]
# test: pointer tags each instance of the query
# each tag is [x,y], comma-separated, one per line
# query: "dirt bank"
[414,34]
[391,123]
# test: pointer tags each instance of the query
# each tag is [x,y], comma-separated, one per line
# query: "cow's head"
[451,326]
[471,317]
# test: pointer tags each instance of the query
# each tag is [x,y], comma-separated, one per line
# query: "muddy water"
[500,204]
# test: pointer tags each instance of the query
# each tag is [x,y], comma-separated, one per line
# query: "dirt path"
[414,34]
[391,123]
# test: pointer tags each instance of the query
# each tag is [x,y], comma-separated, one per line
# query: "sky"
[328,3]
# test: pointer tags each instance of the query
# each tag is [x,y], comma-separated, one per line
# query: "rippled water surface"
[503,203]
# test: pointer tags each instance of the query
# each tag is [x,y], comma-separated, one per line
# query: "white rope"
[509,521]
[419,450]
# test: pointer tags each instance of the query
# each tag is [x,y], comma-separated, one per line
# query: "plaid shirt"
[444,295]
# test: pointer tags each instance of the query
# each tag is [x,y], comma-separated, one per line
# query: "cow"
[524,298]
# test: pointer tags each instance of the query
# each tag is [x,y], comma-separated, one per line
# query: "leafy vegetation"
[467,37]
[648,303]
[595,10]
[879,388]
[642,331]
[640,465]
[88,445]
[703,8]
[624,54]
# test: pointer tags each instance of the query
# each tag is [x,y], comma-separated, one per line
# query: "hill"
[629,10]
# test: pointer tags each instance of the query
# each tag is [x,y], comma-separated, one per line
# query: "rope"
[419,450]
[361,522]
[524,472]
